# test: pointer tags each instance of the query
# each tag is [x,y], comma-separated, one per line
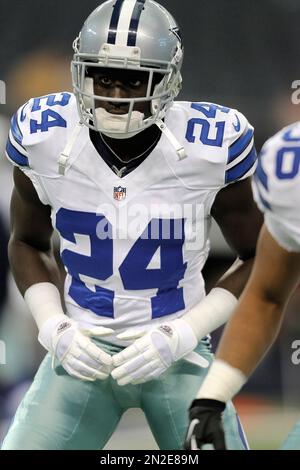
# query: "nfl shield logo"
[119,193]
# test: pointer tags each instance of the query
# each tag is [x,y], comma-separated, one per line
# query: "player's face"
[116,83]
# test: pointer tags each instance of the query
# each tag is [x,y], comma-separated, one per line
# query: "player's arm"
[240,221]
[37,276]
[257,319]
[30,253]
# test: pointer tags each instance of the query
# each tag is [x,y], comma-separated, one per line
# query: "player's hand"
[150,356]
[73,348]
[205,425]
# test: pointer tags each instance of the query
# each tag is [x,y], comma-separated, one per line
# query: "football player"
[130,179]
[258,316]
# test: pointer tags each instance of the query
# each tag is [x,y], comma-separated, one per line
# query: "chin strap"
[65,154]
[172,139]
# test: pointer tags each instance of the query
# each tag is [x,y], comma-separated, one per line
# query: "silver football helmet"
[133,35]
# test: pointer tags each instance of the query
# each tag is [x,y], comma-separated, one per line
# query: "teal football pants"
[62,412]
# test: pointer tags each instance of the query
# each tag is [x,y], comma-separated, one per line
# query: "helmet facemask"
[164,84]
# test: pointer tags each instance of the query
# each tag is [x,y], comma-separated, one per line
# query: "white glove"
[150,356]
[72,346]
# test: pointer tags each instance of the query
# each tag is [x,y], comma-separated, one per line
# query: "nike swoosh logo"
[237,126]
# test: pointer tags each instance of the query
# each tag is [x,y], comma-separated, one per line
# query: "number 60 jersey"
[133,247]
[277,186]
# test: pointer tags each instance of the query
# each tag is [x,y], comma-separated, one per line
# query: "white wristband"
[213,311]
[43,301]
[222,382]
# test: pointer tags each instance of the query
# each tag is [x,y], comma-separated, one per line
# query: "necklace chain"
[153,144]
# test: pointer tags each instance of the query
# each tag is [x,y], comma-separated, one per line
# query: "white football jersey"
[276,186]
[133,247]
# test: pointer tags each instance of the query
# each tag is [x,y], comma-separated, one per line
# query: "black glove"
[205,425]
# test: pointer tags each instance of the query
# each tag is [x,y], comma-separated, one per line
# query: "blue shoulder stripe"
[240,145]
[261,175]
[15,129]
[262,199]
[15,155]
[239,170]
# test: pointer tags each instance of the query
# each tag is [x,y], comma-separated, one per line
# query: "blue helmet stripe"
[134,23]
[112,33]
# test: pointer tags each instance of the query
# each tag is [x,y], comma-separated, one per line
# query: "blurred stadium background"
[244,55]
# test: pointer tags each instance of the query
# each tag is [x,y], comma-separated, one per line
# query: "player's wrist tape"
[213,405]
[213,311]
[43,301]
[222,382]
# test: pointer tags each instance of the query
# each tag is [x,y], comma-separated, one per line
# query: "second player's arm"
[257,319]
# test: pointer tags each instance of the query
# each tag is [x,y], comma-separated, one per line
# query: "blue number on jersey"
[49,117]
[97,263]
[210,111]
[136,276]
[282,173]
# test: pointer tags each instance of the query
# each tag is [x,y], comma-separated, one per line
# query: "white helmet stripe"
[124,22]
[134,24]
[112,32]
